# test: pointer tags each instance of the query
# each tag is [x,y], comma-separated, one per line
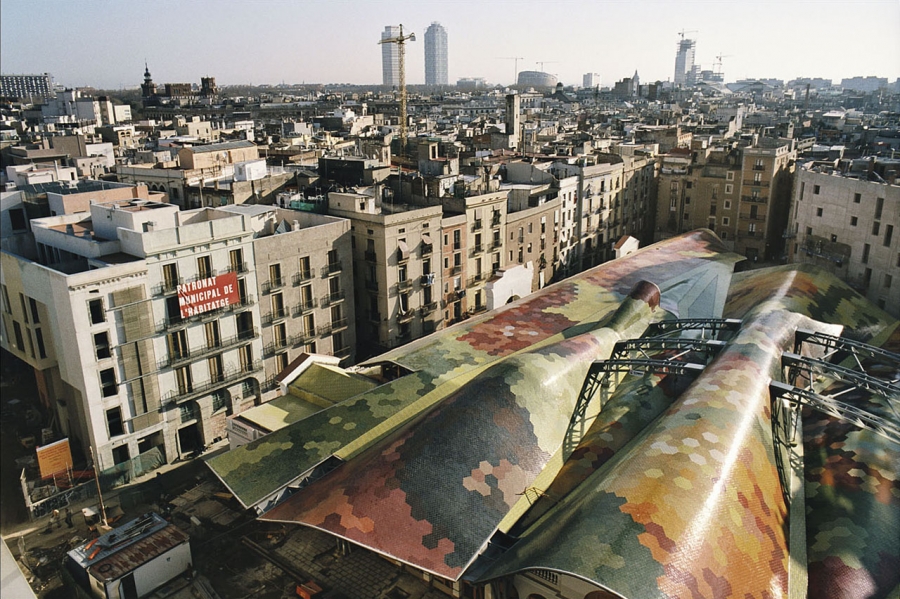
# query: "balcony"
[427,249]
[272,285]
[302,276]
[372,285]
[755,199]
[228,377]
[242,338]
[274,347]
[303,307]
[370,256]
[238,267]
[332,298]
[428,308]
[167,287]
[405,316]
[476,226]
[335,325]
[342,352]
[751,183]
[478,249]
[477,279]
[477,309]
[427,279]
[170,324]
[497,245]
[274,316]
[759,167]
[331,268]
[304,337]
[405,285]
[455,270]
[495,220]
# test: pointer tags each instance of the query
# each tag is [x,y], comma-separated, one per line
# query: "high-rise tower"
[436,55]
[390,57]
[685,71]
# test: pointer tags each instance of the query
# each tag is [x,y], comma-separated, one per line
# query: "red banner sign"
[204,295]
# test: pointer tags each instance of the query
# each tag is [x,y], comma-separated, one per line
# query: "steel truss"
[711,327]
[803,374]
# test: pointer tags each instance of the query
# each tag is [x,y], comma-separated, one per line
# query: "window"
[809,230]
[834,239]
[6,305]
[853,221]
[888,279]
[34,310]
[216,370]
[186,411]
[751,229]
[277,305]
[95,307]
[101,345]
[24,308]
[876,228]
[818,212]
[726,221]
[204,267]
[879,206]
[275,275]
[178,345]
[108,384]
[865,254]
[857,197]
[305,270]
[17,219]
[729,176]
[184,380]
[211,330]
[816,190]
[114,422]
[218,400]
[40,343]
[281,361]
[888,234]
[456,239]
[170,276]
[757,177]
[20,341]
[729,188]
[236,260]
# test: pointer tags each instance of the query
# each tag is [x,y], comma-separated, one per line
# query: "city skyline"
[569,38]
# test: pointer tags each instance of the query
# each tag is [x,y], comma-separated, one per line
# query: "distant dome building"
[536,79]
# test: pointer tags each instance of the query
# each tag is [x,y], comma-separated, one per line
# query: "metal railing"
[170,324]
[303,307]
[333,326]
[331,298]
[272,284]
[331,268]
[243,337]
[229,376]
[167,287]
[370,256]
[274,315]
[300,277]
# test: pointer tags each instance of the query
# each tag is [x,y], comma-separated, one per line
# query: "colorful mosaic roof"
[673,489]
[444,361]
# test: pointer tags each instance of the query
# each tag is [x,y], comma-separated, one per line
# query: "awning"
[426,238]
[403,250]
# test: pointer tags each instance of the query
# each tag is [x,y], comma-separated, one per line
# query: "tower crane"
[543,62]
[717,66]
[515,66]
[401,40]
[683,31]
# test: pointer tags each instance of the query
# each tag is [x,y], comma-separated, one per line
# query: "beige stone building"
[845,220]
[395,268]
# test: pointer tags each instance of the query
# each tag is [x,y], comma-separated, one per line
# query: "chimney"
[70,229]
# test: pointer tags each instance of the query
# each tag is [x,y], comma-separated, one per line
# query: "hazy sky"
[103,43]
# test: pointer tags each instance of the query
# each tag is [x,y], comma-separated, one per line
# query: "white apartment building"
[143,322]
[846,221]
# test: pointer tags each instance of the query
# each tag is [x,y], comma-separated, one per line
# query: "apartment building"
[304,280]
[473,250]
[845,219]
[169,322]
[531,228]
[743,194]
[395,269]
